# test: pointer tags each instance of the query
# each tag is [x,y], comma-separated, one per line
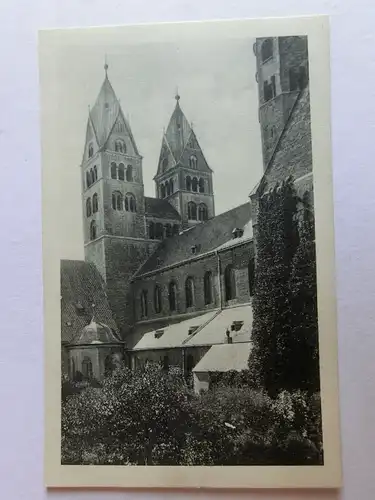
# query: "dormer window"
[236,326]
[237,233]
[158,334]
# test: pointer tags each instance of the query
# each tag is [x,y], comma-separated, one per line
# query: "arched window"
[95,173]
[192,210]
[193,162]
[267,49]
[87,367]
[95,205]
[151,230]
[207,287]
[172,296]
[188,183]
[88,207]
[194,184]
[176,229]
[120,146]
[117,202]
[202,212]
[201,185]
[129,173]
[88,179]
[121,172]
[189,292]
[168,230]
[144,305]
[92,175]
[157,299]
[130,204]
[93,230]
[162,191]
[113,170]
[159,233]
[91,150]
[230,283]
[171,186]
[167,188]
[109,366]
[251,271]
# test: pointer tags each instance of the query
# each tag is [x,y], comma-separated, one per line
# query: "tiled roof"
[224,358]
[207,236]
[81,287]
[159,208]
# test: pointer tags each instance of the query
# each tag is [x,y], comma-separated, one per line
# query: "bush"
[152,417]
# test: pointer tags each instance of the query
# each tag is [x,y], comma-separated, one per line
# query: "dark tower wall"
[282,71]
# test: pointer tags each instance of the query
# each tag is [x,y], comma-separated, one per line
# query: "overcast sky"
[216,82]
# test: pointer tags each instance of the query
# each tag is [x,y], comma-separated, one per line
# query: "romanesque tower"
[282,71]
[183,175]
[113,201]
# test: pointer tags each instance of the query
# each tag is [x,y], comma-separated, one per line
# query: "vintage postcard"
[190,315]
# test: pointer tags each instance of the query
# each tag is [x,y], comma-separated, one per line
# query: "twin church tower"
[121,225]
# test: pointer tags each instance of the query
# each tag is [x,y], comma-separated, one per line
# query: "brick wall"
[122,258]
[239,257]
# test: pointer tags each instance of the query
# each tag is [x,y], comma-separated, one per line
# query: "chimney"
[229,339]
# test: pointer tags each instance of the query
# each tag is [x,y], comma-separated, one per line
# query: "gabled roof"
[81,287]
[161,209]
[206,236]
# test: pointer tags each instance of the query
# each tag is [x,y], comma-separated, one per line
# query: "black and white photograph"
[189,311]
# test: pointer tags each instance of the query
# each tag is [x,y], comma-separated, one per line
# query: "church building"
[165,279]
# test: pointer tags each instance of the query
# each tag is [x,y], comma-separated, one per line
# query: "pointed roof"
[105,113]
[178,131]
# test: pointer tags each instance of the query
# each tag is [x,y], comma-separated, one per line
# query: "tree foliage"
[277,240]
[151,417]
[285,330]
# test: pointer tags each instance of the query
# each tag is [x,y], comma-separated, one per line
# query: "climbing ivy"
[284,336]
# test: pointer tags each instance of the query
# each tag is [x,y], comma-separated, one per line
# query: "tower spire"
[106,66]
[177,96]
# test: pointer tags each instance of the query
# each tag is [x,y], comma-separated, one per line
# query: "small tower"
[113,201]
[282,72]
[183,175]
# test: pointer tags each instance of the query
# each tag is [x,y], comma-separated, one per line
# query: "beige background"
[62,239]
